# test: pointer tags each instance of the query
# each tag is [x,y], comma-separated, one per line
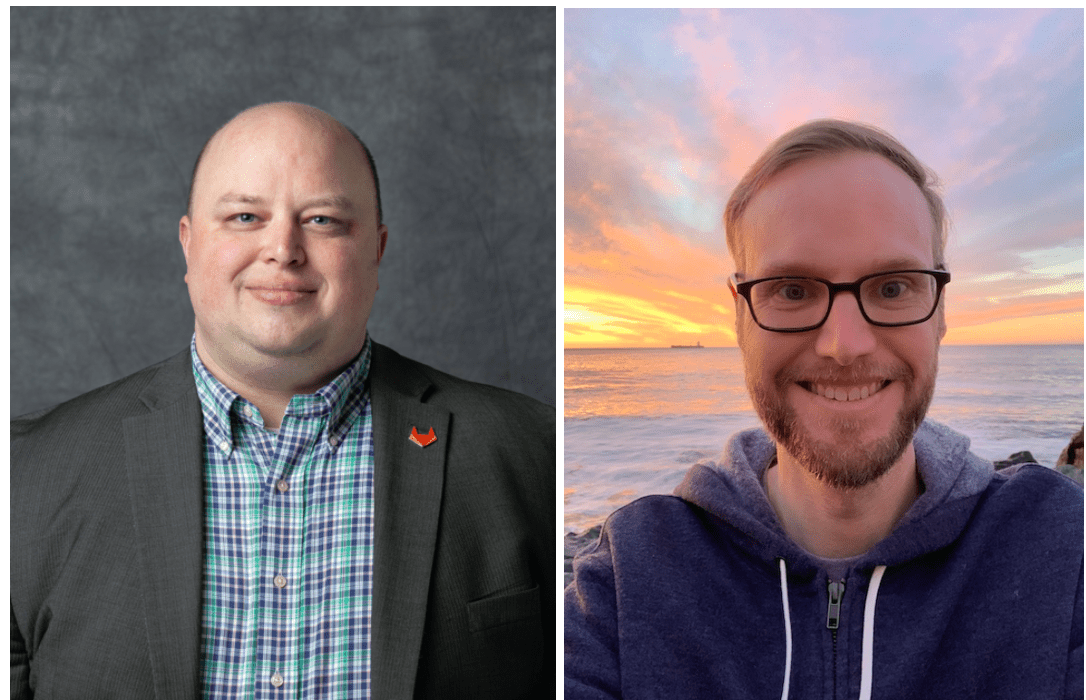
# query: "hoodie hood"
[732,490]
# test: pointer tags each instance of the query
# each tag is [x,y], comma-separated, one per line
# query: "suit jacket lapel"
[408,483]
[165,478]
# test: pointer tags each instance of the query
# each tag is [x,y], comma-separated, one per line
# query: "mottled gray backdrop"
[110,106]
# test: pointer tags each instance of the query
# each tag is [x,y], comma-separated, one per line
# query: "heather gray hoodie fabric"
[977,593]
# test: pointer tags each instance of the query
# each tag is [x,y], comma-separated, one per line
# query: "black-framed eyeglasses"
[797,304]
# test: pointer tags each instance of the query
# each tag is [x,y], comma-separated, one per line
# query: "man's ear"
[184,231]
[382,238]
[737,302]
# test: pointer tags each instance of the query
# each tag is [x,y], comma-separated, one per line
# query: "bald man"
[286,508]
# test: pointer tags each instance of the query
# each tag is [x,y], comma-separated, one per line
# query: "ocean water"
[636,420]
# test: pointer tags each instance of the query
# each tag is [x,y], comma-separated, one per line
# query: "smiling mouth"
[279,296]
[280,288]
[851,392]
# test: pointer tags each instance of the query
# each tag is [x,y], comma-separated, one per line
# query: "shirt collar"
[341,399]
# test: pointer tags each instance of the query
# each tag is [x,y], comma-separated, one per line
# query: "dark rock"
[1072,454]
[1070,461]
[1017,458]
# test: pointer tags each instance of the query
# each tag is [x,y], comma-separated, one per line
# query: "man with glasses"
[851,549]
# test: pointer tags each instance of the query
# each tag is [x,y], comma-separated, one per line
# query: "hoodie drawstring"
[868,632]
[787,631]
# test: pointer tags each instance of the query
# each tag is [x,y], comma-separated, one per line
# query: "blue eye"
[893,290]
[793,292]
[321,220]
[246,218]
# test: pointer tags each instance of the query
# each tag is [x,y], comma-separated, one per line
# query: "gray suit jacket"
[107,540]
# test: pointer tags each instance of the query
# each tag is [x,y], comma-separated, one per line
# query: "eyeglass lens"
[895,298]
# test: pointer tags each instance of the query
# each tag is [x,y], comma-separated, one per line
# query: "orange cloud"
[1032,322]
[649,289]
[1030,330]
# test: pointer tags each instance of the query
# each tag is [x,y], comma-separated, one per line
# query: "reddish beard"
[842,462]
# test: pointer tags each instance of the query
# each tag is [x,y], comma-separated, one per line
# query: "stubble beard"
[841,462]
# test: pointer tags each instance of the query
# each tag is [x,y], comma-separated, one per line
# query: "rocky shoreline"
[1069,463]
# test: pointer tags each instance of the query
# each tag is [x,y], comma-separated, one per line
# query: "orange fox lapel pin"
[423,440]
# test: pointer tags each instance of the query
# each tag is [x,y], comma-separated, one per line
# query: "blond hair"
[823,137]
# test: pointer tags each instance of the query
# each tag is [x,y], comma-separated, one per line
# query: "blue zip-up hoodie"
[977,593]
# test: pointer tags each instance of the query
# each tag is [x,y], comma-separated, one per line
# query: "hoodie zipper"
[833,621]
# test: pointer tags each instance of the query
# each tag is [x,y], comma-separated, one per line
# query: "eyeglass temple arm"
[733,282]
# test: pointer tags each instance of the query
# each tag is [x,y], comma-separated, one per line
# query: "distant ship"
[699,345]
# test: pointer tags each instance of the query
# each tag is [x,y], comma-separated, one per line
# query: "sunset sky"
[665,110]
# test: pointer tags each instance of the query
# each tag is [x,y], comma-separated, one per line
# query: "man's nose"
[284,242]
[846,334]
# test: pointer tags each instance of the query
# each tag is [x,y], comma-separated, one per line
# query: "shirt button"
[282,485]
[276,679]
[224,446]
[247,411]
[333,441]
[280,582]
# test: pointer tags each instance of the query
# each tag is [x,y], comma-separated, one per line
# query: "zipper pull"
[833,615]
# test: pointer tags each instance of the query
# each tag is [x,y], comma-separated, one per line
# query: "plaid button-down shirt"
[288,557]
